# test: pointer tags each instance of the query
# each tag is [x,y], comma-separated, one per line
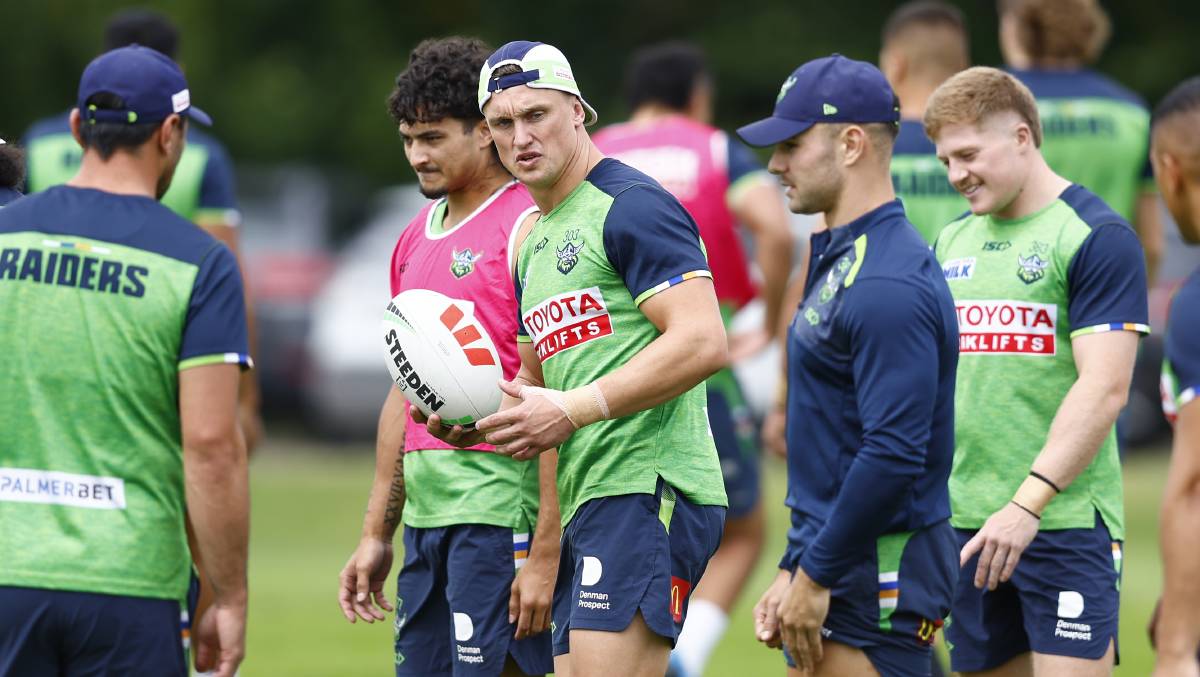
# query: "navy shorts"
[59,632]
[735,433]
[891,604]
[1062,600]
[622,554]
[452,603]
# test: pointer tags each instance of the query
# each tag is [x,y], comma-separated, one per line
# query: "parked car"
[286,257]
[347,380]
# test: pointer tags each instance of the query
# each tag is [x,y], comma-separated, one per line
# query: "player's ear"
[1024,134]
[1167,172]
[170,134]
[577,114]
[853,140]
[76,122]
[483,134]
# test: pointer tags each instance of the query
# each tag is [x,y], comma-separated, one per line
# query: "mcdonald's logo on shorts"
[679,592]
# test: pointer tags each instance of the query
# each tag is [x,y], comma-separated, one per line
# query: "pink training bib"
[472,261]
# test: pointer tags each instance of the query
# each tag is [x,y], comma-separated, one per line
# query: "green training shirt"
[615,241]
[107,298]
[1024,289]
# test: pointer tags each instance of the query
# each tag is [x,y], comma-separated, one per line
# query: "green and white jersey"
[106,299]
[1024,289]
[583,271]
[1096,133]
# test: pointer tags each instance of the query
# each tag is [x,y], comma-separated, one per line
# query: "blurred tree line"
[305,80]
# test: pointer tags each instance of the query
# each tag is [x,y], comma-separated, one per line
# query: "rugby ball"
[441,357]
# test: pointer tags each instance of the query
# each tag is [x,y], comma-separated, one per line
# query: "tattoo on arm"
[395,502]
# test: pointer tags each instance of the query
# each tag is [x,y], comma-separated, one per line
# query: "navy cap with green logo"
[151,87]
[829,89]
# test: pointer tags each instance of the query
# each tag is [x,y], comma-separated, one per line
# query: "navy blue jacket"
[872,354]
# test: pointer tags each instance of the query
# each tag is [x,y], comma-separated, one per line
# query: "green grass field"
[308,503]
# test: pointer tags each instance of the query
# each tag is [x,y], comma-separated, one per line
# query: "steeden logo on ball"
[440,357]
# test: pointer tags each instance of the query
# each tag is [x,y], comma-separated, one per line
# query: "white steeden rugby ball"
[441,357]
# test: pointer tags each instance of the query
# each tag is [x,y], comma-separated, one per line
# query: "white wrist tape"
[582,406]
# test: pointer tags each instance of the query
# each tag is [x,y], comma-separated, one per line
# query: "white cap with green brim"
[542,66]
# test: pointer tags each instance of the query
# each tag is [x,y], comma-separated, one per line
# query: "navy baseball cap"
[829,89]
[151,85]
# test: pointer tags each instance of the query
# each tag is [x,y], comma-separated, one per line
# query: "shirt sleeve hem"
[1135,327]
[217,216]
[641,298]
[241,359]
[522,338]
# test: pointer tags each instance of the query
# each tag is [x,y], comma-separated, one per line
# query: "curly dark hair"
[12,166]
[441,81]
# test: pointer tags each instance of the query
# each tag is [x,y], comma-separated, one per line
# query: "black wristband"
[1040,476]
[1034,514]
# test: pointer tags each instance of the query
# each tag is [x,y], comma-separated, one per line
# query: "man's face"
[987,162]
[808,166]
[445,154]
[536,132]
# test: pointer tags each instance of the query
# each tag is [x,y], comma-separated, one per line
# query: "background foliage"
[305,80]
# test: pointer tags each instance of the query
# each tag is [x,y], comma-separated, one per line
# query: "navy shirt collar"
[884,212]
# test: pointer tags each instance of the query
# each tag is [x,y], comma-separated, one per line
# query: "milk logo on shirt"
[959,269]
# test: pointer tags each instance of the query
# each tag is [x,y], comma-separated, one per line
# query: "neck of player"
[913,96]
[584,156]
[123,173]
[1041,187]
[861,193]
[462,203]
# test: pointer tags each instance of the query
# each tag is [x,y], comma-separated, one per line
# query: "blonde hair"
[1060,30]
[977,93]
